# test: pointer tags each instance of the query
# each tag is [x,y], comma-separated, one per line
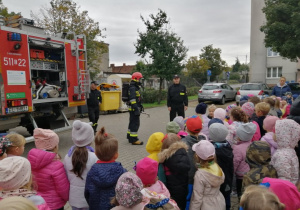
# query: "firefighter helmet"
[136,76]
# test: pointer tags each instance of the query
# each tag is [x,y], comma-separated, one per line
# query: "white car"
[256,89]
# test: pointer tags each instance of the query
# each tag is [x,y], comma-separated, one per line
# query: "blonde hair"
[277,102]
[106,145]
[258,197]
[17,140]
[263,107]
[282,77]
[169,139]
[29,186]
[212,106]
[17,203]
[204,163]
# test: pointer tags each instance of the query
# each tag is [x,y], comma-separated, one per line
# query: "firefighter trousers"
[133,127]
[94,116]
[179,110]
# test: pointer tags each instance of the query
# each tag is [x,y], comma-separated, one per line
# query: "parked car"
[218,92]
[295,87]
[256,89]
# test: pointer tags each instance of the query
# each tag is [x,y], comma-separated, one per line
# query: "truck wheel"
[222,100]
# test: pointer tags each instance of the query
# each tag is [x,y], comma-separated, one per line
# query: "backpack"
[125,94]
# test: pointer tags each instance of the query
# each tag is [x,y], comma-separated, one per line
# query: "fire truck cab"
[42,79]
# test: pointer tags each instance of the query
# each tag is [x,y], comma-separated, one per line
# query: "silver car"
[219,92]
[256,89]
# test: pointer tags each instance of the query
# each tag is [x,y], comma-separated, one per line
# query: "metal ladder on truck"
[83,74]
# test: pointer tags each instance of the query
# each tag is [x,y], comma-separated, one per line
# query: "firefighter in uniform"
[135,107]
[177,100]
[93,103]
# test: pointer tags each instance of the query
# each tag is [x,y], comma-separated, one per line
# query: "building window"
[274,72]
[271,53]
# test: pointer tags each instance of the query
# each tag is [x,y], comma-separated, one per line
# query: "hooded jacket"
[239,159]
[268,137]
[279,91]
[100,184]
[177,165]
[258,157]
[285,160]
[50,176]
[154,145]
[206,192]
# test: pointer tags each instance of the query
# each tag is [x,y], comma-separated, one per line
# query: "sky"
[223,23]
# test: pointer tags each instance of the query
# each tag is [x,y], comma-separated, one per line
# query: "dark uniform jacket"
[94,98]
[177,95]
[134,96]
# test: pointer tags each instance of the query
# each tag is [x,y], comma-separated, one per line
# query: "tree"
[65,16]
[162,46]
[4,11]
[281,29]
[236,66]
[197,68]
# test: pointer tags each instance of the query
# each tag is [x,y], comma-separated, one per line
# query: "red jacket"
[50,176]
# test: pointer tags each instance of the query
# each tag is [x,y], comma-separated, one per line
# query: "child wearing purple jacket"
[269,125]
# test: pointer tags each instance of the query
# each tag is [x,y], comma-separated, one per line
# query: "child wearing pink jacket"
[47,169]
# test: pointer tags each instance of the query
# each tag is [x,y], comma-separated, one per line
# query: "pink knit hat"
[15,172]
[204,149]
[220,113]
[146,170]
[45,139]
[248,108]
[269,123]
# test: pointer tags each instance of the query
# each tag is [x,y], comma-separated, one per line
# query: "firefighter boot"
[137,143]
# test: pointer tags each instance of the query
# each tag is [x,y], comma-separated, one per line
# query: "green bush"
[151,95]
[191,91]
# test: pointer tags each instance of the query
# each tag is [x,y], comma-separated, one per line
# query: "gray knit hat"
[172,127]
[218,132]
[246,131]
[82,133]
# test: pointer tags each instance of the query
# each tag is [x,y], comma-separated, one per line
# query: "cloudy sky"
[223,23]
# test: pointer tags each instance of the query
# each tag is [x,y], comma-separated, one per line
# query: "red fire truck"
[42,78]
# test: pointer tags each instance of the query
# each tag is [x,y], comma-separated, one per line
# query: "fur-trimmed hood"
[167,153]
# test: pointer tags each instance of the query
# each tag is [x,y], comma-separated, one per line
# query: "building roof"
[122,69]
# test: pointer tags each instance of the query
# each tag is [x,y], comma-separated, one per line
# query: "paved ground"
[117,125]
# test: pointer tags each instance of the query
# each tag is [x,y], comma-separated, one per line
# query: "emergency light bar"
[14,37]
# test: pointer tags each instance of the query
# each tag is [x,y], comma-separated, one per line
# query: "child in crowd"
[16,180]
[244,135]
[286,191]
[221,114]
[154,144]
[208,178]
[258,157]
[180,121]
[176,165]
[78,162]
[193,127]
[269,125]
[17,145]
[228,109]
[101,180]
[260,198]
[201,112]
[255,100]
[211,109]
[284,160]
[17,203]
[271,102]
[285,108]
[172,127]
[4,144]
[249,108]
[261,110]
[238,117]
[224,156]
[47,169]
[146,170]
[289,97]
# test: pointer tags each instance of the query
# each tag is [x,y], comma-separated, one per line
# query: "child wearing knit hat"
[17,145]
[172,127]
[228,110]
[269,125]
[102,178]
[244,134]
[154,144]
[180,121]
[249,108]
[17,203]
[201,112]
[176,164]
[208,178]
[16,180]
[47,169]
[221,114]
[78,162]
[224,155]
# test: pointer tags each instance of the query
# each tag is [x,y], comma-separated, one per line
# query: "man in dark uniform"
[177,101]
[93,103]
[134,107]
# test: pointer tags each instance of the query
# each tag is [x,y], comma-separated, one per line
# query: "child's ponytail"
[106,145]
[79,160]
